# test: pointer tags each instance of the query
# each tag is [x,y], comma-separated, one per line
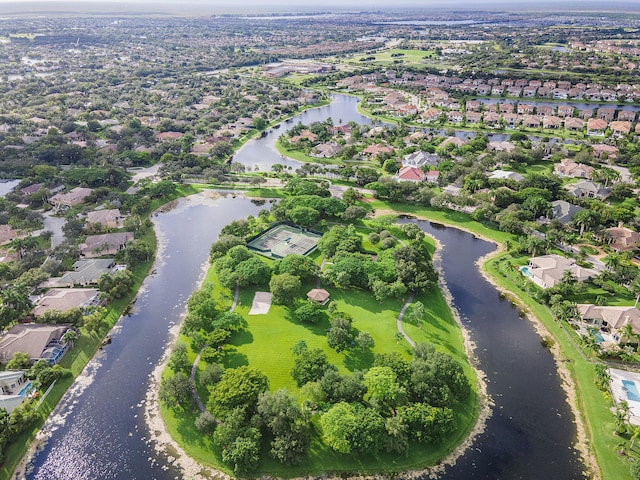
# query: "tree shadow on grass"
[356,359]
[243,337]
[189,433]
[232,358]
[319,328]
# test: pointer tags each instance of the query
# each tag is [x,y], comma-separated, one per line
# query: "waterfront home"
[14,389]
[573,124]
[610,319]
[37,341]
[85,272]
[108,218]
[596,127]
[105,244]
[65,299]
[548,270]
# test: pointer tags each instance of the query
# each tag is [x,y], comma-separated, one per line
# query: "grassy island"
[294,388]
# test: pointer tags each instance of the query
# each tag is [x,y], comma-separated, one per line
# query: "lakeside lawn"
[267,342]
[267,345]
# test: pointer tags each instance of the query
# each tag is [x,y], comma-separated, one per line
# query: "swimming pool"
[599,338]
[525,271]
[631,389]
[25,390]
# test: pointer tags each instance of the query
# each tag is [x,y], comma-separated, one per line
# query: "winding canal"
[98,430]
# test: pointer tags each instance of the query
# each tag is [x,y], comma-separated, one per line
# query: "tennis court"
[283,240]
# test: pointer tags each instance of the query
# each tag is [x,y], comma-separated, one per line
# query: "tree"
[175,391]
[585,219]
[309,312]
[238,387]
[116,285]
[252,271]
[337,424]
[364,340]
[382,388]
[243,454]
[19,361]
[284,288]
[205,422]
[339,335]
[220,248]
[304,216]
[414,267]
[310,366]
[297,265]
[179,361]
[397,440]
[417,313]
[354,212]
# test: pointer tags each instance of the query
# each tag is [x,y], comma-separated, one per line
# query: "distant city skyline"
[248,7]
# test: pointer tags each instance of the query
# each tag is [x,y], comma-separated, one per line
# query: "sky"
[224,6]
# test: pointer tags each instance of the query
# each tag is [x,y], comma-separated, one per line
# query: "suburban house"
[430,115]
[432,176]
[569,168]
[622,239]
[490,118]
[574,124]
[37,341]
[619,128]
[85,272]
[548,270]
[105,244]
[72,198]
[109,218]
[587,189]
[327,150]
[7,234]
[501,146]
[505,175]
[64,299]
[14,388]
[419,159]
[410,174]
[596,126]
[610,319]
[551,121]
[376,149]
[602,150]
[530,121]
[564,211]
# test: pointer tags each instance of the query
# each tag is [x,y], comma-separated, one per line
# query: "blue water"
[599,338]
[631,389]
[525,271]
[25,389]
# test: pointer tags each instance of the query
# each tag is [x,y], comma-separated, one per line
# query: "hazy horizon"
[260,6]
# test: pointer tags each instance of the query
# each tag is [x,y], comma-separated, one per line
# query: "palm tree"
[635,433]
[627,332]
[621,414]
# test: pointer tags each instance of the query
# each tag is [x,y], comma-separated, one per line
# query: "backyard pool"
[525,271]
[25,390]
[630,388]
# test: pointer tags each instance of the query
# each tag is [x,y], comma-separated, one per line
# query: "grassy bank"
[277,331]
[86,346]
[593,405]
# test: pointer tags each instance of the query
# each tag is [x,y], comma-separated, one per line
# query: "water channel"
[98,431]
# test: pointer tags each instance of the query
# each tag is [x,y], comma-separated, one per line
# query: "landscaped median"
[273,348]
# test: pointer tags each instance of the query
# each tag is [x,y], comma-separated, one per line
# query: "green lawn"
[267,345]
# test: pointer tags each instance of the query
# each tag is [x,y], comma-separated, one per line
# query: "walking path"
[194,367]
[399,320]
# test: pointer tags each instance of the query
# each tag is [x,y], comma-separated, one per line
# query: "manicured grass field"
[267,344]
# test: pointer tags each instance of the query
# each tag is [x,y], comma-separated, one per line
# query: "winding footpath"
[399,320]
